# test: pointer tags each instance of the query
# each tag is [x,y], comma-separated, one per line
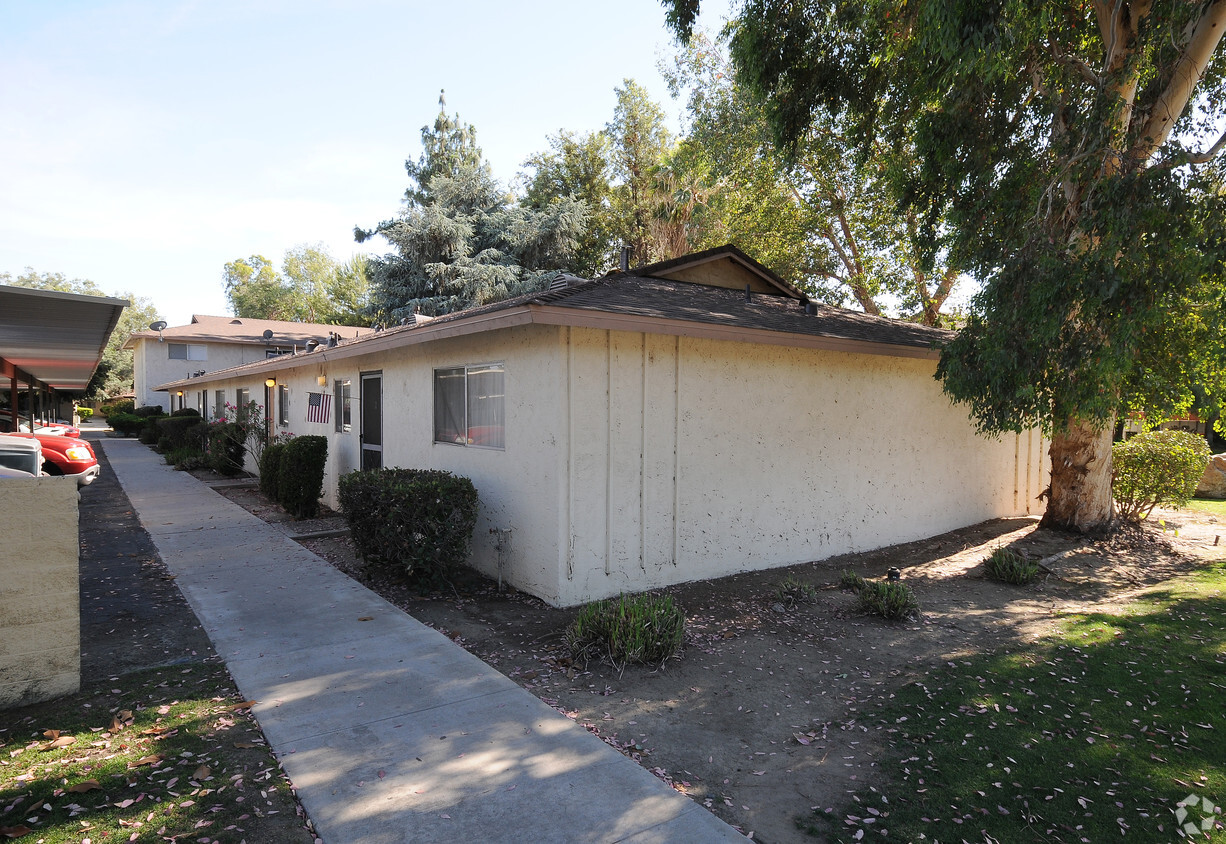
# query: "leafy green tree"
[311,287]
[461,240]
[1070,147]
[256,290]
[113,376]
[821,216]
[578,167]
[639,140]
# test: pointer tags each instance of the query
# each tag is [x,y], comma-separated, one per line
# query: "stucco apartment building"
[210,343]
[684,420]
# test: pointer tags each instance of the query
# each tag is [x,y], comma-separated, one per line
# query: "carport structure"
[50,345]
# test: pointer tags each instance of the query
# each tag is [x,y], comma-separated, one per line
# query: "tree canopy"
[311,287]
[461,239]
[1071,148]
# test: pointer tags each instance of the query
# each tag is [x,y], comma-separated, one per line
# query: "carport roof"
[54,339]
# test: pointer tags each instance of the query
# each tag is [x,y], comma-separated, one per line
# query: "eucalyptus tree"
[821,215]
[1072,149]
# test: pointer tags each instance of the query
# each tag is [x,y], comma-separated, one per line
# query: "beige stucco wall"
[152,366]
[40,618]
[697,458]
[637,460]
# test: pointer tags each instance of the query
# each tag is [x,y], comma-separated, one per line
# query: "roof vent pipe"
[747,291]
[810,308]
[624,263]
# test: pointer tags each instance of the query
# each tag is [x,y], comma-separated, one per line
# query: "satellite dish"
[267,334]
[157,326]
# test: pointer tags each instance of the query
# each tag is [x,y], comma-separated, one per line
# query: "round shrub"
[645,629]
[270,467]
[149,410]
[85,413]
[421,520]
[186,411]
[1156,468]
[128,424]
[300,475]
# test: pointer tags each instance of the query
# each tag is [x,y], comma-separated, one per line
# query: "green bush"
[149,410]
[419,519]
[148,434]
[185,459]
[181,431]
[227,447]
[645,629]
[1009,566]
[186,411]
[128,424]
[1156,468]
[85,413]
[792,591]
[849,580]
[118,406]
[300,475]
[270,468]
[888,599]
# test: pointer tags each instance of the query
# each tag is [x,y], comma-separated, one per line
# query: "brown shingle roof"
[227,329]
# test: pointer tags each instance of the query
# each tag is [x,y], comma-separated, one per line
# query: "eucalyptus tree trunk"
[1079,498]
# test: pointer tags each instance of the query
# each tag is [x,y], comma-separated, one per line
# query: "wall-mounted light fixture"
[321,380]
[179,394]
[270,382]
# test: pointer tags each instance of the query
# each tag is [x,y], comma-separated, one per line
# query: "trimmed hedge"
[300,475]
[149,410]
[270,468]
[128,424]
[181,431]
[1157,468]
[419,519]
[85,413]
[119,406]
[186,411]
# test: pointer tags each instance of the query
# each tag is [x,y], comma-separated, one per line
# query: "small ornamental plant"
[850,581]
[792,591]
[1157,468]
[1009,566]
[646,629]
[888,599]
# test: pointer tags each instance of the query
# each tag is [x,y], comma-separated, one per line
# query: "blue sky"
[144,144]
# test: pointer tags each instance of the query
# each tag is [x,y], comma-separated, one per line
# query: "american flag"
[318,405]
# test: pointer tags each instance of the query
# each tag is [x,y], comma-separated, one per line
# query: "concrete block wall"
[40,598]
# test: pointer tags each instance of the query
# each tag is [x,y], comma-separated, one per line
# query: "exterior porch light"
[321,380]
[270,382]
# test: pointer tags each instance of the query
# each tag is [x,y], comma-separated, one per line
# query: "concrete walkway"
[389,731]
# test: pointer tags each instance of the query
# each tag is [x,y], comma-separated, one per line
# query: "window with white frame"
[242,396]
[186,351]
[282,404]
[342,398]
[469,405]
[219,403]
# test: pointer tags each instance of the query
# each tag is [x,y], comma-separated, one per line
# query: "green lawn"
[161,755]
[1207,505]
[1095,734]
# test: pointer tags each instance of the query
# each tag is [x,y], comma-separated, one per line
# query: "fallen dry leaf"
[367,618]
[202,773]
[245,745]
[51,734]
[15,831]
[147,760]
[247,704]
[84,786]
[62,741]
[116,724]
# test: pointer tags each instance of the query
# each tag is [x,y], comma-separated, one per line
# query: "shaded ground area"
[132,614]
[759,717]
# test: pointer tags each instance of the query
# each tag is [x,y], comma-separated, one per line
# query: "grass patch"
[154,755]
[644,629]
[1093,734]
[850,581]
[1008,566]
[1207,505]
